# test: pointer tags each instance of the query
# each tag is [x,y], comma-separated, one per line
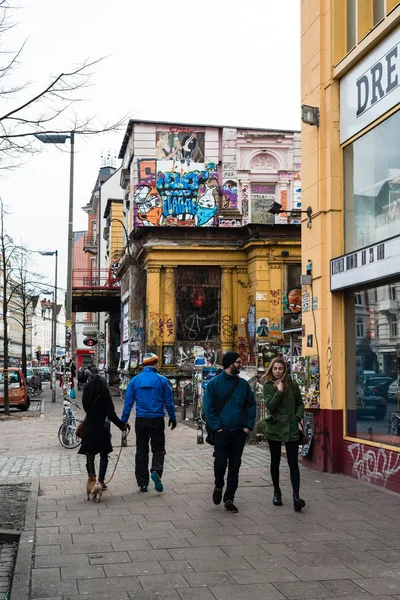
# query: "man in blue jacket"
[230,412]
[152,394]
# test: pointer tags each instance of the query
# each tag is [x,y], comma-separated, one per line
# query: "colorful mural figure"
[184,147]
[229,195]
[148,202]
[207,202]
[179,195]
[293,301]
[262,328]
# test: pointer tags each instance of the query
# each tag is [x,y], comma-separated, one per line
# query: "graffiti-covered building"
[211,268]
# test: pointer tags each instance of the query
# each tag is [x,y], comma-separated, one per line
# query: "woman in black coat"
[99,409]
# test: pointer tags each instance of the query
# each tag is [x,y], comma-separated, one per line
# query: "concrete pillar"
[169,317]
[153,317]
[242,309]
[226,310]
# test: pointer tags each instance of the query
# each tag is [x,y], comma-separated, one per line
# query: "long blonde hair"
[269,376]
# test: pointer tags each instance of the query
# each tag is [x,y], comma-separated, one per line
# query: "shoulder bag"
[80,430]
[219,409]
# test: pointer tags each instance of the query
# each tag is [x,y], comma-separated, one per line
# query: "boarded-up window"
[198,303]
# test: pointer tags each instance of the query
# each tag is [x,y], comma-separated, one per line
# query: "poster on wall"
[308,427]
[186,146]
[262,198]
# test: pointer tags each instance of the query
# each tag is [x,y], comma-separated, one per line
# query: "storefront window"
[373,371]
[372,186]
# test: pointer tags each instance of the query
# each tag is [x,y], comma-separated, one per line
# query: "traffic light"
[38,355]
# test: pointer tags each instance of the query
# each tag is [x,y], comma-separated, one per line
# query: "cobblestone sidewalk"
[179,546]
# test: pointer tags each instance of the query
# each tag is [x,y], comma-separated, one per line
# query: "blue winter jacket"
[152,394]
[239,412]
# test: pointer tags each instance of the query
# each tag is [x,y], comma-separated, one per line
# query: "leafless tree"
[49,110]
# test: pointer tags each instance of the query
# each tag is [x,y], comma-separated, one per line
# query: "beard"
[234,370]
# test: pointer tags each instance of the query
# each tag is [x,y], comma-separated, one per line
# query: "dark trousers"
[153,431]
[91,469]
[292,455]
[228,450]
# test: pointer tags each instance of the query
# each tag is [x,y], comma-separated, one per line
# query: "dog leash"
[123,440]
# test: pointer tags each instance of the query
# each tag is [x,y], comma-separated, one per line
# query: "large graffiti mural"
[176,192]
[180,146]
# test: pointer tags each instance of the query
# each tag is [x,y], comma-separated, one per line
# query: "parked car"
[371,406]
[17,389]
[45,373]
[379,385]
[393,391]
[33,377]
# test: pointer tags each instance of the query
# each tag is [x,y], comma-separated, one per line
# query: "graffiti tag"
[374,464]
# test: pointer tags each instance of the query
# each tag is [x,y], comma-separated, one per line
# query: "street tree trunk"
[5,325]
[24,344]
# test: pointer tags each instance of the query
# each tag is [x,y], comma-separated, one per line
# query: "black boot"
[298,503]
[277,499]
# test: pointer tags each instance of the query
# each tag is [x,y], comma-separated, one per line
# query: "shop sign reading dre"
[371,88]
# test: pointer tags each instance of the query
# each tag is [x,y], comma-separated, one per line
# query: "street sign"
[305,302]
[90,342]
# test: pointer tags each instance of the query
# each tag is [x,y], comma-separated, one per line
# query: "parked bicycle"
[394,425]
[34,390]
[67,431]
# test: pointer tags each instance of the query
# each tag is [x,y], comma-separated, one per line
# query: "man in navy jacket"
[152,394]
[230,412]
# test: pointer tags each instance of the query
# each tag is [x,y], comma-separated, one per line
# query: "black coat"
[97,436]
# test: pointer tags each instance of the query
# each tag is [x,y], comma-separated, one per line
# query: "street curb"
[42,409]
[21,585]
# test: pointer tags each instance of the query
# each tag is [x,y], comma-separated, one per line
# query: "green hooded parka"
[285,411]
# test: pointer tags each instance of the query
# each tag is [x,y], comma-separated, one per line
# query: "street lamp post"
[57,138]
[53,327]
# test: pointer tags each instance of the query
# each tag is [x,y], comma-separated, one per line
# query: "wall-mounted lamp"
[310,114]
[276,208]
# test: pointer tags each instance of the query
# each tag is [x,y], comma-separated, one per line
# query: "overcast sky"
[215,61]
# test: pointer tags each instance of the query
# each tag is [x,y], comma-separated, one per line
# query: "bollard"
[200,434]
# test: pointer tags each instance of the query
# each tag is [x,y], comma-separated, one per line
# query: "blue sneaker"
[157,482]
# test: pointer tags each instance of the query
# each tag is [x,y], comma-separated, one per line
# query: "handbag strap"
[227,397]
[93,403]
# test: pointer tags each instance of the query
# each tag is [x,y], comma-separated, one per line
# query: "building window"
[358,299]
[393,326]
[372,187]
[198,304]
[262,197]
[392,292]
[372,366]
[378,11]
[351,24]
[360,328]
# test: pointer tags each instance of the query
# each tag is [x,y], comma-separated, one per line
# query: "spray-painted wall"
[191,176]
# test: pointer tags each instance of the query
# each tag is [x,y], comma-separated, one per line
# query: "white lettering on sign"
[366,265]
[371,88]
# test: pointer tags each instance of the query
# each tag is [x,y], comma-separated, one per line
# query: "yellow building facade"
[350,73]
[204,297]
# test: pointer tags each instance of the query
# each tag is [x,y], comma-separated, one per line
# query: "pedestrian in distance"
[100,411]
[230,412]
[152,394]
[285,406]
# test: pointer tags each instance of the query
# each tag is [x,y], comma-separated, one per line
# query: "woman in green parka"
[285,406]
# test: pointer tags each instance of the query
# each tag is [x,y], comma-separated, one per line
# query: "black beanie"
[229,358]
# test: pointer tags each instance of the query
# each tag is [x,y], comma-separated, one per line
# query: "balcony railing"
[96,279]
[90,242]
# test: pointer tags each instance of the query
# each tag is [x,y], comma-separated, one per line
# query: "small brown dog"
[94,488]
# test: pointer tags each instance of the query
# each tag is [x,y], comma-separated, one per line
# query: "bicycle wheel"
[67,434]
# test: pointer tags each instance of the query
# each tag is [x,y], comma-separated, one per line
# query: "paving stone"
[156,582]
[133,568]
[109,558]
[300,590]
[109,584]
[51,588]
[344,587]
[218,564]
[263,575]
[209,578]
[325,573]
[157,595]
[244,592]
[196,594]
[379,585]
[84,571]
[60,560]
[176,566]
